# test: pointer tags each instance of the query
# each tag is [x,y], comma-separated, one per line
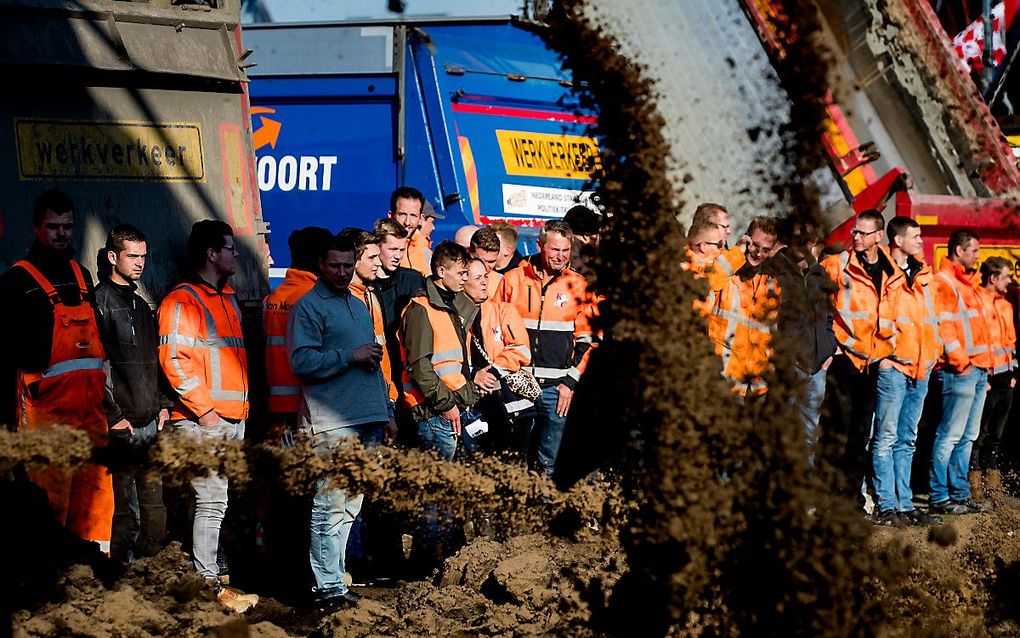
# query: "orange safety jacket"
[69,392]
[741,325]
[1002,333]
[918,345]
[504,336]
[201,351]
[284,387]
[448,353]
[371,302]
[962,321]
[717,270]
[558,318]
[419,254]
[864,322]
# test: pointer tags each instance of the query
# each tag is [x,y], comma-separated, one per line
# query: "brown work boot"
[236,600]
[992,481]
[974,478]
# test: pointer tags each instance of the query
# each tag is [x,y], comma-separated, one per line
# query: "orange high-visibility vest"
[962,321]
[284,387]
[1002,333]
[865,325]
[201,352]
[447,354]
[371,302]
[741,325]
[917,341]
[69,392]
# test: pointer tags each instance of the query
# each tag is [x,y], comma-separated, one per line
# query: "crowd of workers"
[866,330]
[373,334]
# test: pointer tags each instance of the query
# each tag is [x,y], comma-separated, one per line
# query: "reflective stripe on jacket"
[962,321]
[741,326]
[864,325]
[504,336]
[558,318]
[918,344]
[717,270]
[371,302]
[1002,333]
[201,351]
[284,387]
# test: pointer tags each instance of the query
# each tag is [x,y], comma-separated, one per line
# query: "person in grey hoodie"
[333,351]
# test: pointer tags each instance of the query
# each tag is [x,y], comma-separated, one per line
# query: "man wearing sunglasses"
[864,328]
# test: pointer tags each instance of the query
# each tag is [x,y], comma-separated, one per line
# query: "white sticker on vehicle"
[539,201]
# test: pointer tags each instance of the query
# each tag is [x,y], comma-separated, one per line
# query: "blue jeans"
[546,433]
[210,500]
[809,408]
[963,399]
[436,433]
[898,405]
[333,514]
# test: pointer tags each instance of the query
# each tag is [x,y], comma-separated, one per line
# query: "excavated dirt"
[716,526]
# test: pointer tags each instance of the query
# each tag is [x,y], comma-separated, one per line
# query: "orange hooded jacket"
[1002,333]
[918,345]
[962,321]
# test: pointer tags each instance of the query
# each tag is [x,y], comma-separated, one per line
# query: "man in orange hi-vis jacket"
[557,309]
[996,279]
[963,370]
[903,378]
[744,313]
[202,354]
[284,387]
[58,365]
[864,326]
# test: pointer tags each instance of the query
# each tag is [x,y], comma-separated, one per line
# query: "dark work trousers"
[985,453]
[139,516]
[846,423]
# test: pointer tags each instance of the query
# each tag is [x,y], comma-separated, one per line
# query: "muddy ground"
[961,580]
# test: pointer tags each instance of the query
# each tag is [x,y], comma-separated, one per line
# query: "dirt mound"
[159,596]
[966,587]
[530,585]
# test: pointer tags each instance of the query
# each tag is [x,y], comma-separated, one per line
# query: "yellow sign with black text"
[114,150]
[548,155]
[1010,253]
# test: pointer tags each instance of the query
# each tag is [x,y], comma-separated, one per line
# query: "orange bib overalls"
[69,392]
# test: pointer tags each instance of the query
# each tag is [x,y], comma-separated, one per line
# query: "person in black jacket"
[804,326]
[136,409]
[394,286]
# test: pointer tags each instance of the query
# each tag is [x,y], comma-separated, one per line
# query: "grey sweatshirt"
[323,329]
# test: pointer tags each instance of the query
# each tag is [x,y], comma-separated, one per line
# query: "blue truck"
[476,113]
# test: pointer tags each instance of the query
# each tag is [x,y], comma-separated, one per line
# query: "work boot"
[974,478]
[236,600]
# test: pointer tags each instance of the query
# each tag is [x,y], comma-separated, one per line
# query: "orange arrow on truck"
[269,132]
